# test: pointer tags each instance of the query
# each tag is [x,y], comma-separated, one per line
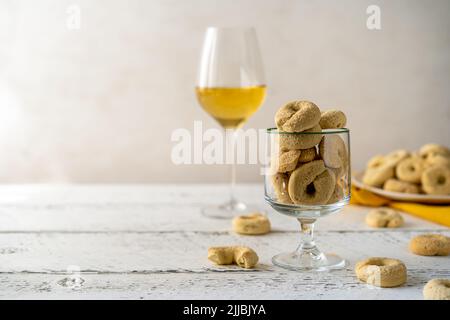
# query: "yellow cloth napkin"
[436,213]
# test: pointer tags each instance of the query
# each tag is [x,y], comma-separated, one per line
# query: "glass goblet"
[313,186]
[231,87]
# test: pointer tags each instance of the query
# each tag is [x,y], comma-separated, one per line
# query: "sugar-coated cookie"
[337,195]
[307,155]
[288,160]
[333,119]
[437,289]
[433,149]
[251,224]
[375,161]
[381,272]
[394,157]
[311,184]
[377,176]
[333,151]
[433,160]
[430,245]
[297,116]
[384,218]
[340,172]
[436,180]
[280,183]
[244,257]
[302,140]
[400,186]
[410,169]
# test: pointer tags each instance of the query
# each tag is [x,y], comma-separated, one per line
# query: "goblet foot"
[228,210]
[309,261]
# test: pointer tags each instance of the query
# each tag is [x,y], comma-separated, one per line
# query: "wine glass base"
[228,210]
[305,261]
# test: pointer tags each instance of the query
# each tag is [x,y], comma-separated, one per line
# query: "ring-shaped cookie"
[430,244]
[437,160]
[293,141]
[410,169]
[252,224]
[311,184]
[437,289]
[377,176]
[339,172]
[375,161]
[288,160]
[307,155]
[381,272]
[436,180]
[333,151]
[384,218]
[433,149]
[394,157]
[395,185]
[280,183]
[297,116]
[337,195]
[244,257]
[333,119]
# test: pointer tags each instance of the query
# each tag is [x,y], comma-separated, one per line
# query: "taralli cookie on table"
[430,245]
[303,140]
[311,183]
[410,169]
[381,272]
[244,257]
[252,224]
[333,119]
[437,289]
[297,116]
[395,185]
[384,218]
[280,183]
[436,180]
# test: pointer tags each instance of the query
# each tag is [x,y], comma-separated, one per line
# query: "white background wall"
[99,104]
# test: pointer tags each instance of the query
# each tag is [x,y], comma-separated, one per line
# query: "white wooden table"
[150,242]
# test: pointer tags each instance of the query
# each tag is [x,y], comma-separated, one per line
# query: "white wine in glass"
[230,87]
[231,107]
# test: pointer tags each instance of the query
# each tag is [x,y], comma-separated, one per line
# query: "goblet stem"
[307,247]
[308,256]
[232,136]
[307,233]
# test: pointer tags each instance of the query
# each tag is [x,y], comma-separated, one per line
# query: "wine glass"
[230,87]
[312,190]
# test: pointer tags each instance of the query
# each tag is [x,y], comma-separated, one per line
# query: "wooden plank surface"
[140,208]
[151,242]
[210,285]
[127,252]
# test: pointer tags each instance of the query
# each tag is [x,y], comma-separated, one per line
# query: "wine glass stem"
[307,235]
[233,134]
